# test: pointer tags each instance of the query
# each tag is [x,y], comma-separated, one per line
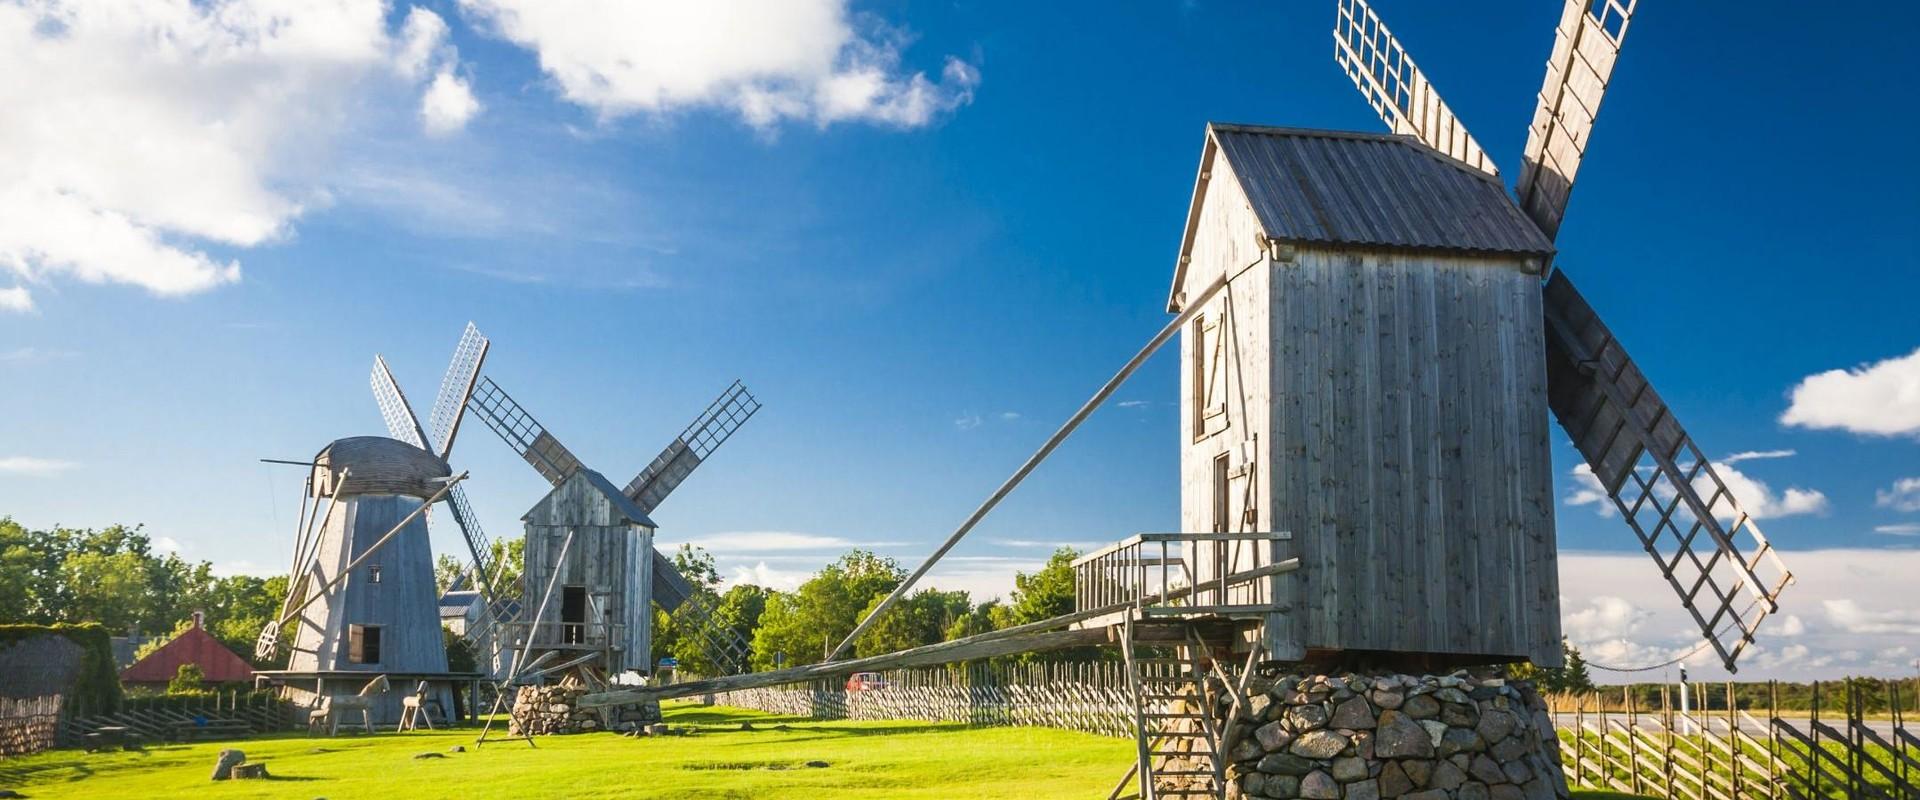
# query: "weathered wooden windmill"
[1373,336]
[361,598]
[591,572]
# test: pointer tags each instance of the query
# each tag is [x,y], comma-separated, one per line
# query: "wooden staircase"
[1179,741]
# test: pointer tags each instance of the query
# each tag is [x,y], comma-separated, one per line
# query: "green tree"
[1045,594]
[186,680]
[808,622]
[921,618]
[1569,679]
[108,588]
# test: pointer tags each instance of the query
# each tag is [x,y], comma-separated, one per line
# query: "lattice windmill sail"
[1726,573]
[499,602]
[670,590]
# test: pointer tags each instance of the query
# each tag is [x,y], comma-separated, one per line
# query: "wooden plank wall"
[405,603]
[1410,453]
[611,558]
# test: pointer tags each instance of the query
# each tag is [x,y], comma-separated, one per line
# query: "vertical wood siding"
[404,603]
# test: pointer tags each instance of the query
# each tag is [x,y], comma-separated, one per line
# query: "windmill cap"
[376,465]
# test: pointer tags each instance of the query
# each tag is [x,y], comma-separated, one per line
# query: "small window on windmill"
[363,644]
[373,573]
[1209,376]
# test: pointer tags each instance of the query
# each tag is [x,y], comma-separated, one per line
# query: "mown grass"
[863,760]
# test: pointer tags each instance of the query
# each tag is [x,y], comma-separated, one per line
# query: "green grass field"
[863,760]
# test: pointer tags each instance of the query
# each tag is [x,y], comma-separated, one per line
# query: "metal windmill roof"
[1364,190]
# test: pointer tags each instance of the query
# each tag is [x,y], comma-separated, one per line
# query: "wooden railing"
[1179,574]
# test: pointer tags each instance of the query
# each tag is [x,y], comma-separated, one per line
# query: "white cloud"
[1900,529]
[1881,399]
[33,355]
[760,574]
[1135,403]
[138,135]
[1752,455]
[447,105]
[1009,416]
[1589,491]
[1759,499]
[1903,495]
[17,299]
[33,467]
[1845,609]
[967,422]
[767,62]
[1850,617]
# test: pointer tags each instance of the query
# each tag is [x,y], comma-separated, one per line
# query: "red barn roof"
[195,646]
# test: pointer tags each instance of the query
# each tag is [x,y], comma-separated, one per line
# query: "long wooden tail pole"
[1153,345]
[368,553]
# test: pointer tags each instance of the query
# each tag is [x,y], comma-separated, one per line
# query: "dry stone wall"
[1417,737]
[540,710]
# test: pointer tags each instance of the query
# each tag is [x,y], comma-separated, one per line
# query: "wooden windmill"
[361,598]
[1373,338]
[591,571]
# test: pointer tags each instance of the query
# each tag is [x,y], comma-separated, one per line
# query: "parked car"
[866,682]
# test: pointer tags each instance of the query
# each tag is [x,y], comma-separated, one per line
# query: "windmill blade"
[1663,486]
[1398,91]
[522,432]
[401,423]
[455,388]
[1585,47]
[707,432]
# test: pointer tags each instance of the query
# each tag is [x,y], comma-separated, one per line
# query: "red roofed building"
[195,646]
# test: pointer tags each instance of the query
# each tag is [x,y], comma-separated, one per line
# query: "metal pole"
[1099,397]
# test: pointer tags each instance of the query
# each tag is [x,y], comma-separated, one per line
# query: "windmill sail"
[1398,91]
[1658,479]
[704,435]
[455,388]
[522,432]
[401,423]
[1584,49]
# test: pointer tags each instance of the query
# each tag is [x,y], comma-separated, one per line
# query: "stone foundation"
[541,710]
[1418,737]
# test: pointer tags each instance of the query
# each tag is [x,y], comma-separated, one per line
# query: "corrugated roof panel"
[1372,189]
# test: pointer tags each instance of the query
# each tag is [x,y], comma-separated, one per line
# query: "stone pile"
[1415,737]
[555,708]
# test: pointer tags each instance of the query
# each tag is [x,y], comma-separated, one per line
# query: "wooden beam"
[967,649]
[1067,428]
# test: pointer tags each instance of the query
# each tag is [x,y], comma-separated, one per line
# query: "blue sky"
[919,281]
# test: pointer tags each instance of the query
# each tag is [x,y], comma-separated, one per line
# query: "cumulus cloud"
[802,60]
[151,134]
[1753,455]
[1881,399]
[447,105]
[1849,616]
[33,467]
[1760,501]
[16,298]
[1899,529]
[1903,495]
[1589,491]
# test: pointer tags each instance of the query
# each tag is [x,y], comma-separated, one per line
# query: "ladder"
[1179,740]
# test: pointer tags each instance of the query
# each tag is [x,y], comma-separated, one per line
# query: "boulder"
[1393,780]
[1471,790]
[1307,717]
[1284,764]
[1517,771]
[1399,736]
[1435,729]
[1430,794]
[1421,706]
[250,771]
[1321,744]
[1318,785]
[224,763]
[1253,784]
[1286,786]
[1419,771]
[1451,695]
[1349,769]
[1460,740]
[1246,750]
[1364,790]
[1459,716]
[1508,791]
[1446,776]
[1487,770]
[1353,713]
[1509,749]
[1494,725]
[1273,736]
[1388,698]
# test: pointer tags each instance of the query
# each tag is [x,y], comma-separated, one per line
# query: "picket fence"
[1086,697]
[1609,743]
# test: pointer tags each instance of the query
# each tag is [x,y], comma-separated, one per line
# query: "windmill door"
[573,615]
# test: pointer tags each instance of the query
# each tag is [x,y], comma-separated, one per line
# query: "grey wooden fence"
[1835,749]
[1087,697]
[167,717]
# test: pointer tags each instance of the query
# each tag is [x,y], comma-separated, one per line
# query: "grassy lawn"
[864,760]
